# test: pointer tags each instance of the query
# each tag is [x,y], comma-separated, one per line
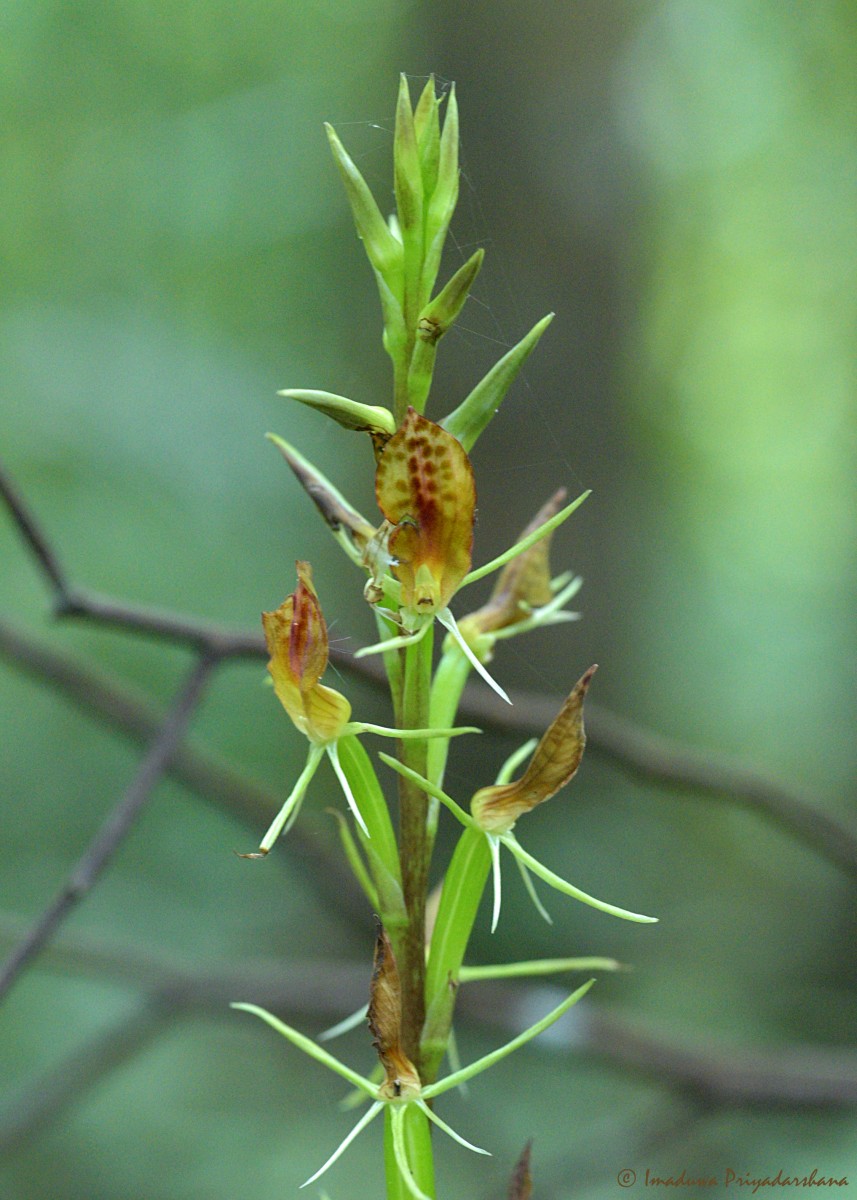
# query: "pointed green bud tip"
[468,420]
[440,312]
[383,250]
[365,418]
[407,167]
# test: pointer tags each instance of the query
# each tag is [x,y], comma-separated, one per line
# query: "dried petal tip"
[521,1183]
[401,1080]
[555,761]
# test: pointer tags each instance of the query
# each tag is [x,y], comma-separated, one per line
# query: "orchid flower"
[495,810]
[401,1086]
[420,555]
[296,635]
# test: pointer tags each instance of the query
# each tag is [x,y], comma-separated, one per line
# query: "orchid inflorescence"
[416,557]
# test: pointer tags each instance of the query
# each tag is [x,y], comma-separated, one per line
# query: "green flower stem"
[393,666]
[413,843]
[379,849]
[459,902]
[418,1149]
[449,680]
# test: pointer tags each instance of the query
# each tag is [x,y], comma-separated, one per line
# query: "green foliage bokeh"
[676,180]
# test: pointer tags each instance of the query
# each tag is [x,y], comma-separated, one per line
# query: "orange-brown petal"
[425,488]
[555,761]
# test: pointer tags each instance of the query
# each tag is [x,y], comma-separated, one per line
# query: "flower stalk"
[413,557]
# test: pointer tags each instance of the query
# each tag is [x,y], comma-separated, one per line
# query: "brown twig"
[644,754]
[708,1076]
[112,832]
[71,601]
[657,759]
[104,696]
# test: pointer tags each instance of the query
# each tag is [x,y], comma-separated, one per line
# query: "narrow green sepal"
[444,198]
[468,420]
[406,164]
[524,544]
[383,250]
[431,790]
[537,966]
[482,1064]
[427,128]
[309,1047]
[365,418]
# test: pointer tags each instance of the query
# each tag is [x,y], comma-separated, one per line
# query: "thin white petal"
[456,1137]
[368,1116]
[344,1026]
[533,894]
[494,847]
[333,755]
[310,1047]
[449,622]
[488,1060]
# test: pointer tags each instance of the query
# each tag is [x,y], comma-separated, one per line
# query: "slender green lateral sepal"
[302,1042]
[568,889]
[536,967]
[431,789]
[524,544]
[288,813]
[400,734]
[488,1060]
[468,420]
[427,128]
[383,250]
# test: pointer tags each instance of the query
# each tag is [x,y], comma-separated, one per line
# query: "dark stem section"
[413,846]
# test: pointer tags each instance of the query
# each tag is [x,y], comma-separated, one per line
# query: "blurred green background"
[676,180]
